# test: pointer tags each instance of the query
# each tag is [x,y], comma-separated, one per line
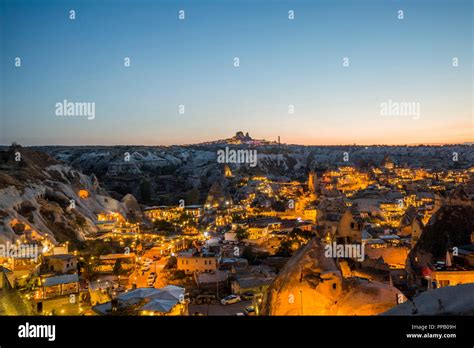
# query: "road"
[140,279]
[218,309]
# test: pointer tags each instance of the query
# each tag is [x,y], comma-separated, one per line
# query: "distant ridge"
[239,139]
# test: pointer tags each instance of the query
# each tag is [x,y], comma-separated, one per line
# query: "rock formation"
[312,284]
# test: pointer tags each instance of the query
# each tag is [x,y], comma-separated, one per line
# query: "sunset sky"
[282,62]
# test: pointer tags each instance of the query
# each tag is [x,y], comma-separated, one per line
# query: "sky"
[283,62]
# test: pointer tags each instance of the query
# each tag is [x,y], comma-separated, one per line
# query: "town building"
[191,261]
[167,301]
[61,263]
[58,286]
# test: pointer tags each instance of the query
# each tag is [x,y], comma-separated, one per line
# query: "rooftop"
[194,253]
[64,257]
[62,279]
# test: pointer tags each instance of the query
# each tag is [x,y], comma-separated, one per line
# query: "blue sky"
[282,62]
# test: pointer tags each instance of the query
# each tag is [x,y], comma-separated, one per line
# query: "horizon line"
[223,144]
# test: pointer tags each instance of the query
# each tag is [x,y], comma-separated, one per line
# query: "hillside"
[448,300]
[36,193]
[312,284]
[450,227]
[164,174]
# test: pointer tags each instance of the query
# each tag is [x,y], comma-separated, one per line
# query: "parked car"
[231,299]
[250,311]
[248,296]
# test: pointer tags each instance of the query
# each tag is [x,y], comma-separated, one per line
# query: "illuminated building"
[192,261]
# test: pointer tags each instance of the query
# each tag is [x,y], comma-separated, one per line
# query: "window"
[334,286]
[444,283]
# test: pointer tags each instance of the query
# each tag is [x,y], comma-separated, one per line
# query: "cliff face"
[448,300]
[308,284]
[450,227]
[42,198]
[312,284]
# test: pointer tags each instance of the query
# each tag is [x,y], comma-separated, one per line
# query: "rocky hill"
[451,226]
[448,300]
[41,197]
[163,175]
[312,284]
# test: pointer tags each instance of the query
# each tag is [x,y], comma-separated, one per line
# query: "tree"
[163,225]
[178,275]
[299,236]
[241,233]
[88,271]
[285,249]
[249,254]
[253,256]
[117,267]
[172,262]
[279,206]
